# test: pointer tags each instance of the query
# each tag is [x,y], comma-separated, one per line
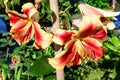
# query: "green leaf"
[5,34]
[40,67]
[95,75]
[4,66]
[51,77]
[19,72]
[110,47]
[4,15]
[3,40]
[11,43]
[115,41]
[3,45]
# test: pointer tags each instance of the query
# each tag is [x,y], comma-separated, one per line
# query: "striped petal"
[93,47]
[22,32]
[14,16]
[79,52]
[42,38]
[62,59]
[89,25]
[62,36]
[30,11]
[76,60]
[88,10]
[100,34]
[71,56]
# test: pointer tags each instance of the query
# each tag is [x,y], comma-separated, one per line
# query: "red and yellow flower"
[84,44]
[25,26]
[79,45]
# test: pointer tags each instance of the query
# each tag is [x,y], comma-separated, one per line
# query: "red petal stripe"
[93,47]
[100,34]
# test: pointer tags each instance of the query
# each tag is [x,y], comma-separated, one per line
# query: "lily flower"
[80,45]
[102,14]
[25,26]
[15,59]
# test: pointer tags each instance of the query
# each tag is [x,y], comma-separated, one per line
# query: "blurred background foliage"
[34,65]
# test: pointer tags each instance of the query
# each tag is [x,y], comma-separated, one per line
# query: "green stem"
[67,9]
[7,52]
[16,68]
[19,72]
[12,3]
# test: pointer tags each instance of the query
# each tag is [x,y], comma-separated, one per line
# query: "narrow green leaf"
[115,41]
[19,72]
[110,47]
[3,40]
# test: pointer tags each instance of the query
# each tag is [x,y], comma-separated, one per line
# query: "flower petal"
[62,36]
[62,59]
[42,38]
[93,47]
[14,16]
[99,34]
[107,23]
[79,52]
[22,32]
[89,25]
[30,11]
[88,10]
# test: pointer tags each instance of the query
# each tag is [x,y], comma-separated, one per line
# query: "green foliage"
[33,63]
[14,4]
[113,44]
[103,4]
[40,67]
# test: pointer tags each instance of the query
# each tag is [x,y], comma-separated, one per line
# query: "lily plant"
[79,46]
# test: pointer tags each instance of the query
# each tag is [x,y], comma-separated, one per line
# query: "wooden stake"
[56,25]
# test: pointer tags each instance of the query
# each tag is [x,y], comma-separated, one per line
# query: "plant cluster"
[27,52]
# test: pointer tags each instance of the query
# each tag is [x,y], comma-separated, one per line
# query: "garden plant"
[60,40]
